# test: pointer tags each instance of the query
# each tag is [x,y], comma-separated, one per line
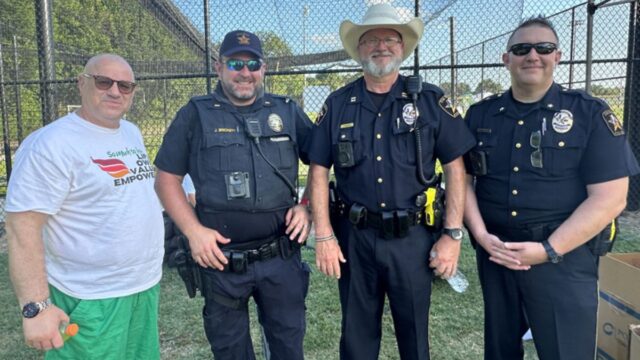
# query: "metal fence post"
[632,94]
[16,89]
[207,47]
[5,120]
[44,29]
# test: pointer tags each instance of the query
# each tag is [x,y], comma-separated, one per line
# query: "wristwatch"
[454,233]
[551,253]
[32,309]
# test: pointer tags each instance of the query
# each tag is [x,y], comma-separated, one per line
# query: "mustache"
[381,52]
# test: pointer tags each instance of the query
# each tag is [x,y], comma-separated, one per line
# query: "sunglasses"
[542,48]
[105,83]
[536,156]
[237,64]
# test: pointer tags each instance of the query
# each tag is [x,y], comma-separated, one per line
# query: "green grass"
[456,320]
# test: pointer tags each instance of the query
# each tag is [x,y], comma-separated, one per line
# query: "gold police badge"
[275,122]
[562,121]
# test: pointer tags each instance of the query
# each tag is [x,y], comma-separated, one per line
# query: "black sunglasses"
[542,48]
[105,83]
[237,64]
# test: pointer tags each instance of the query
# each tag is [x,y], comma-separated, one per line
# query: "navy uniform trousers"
[558,301]
[279,288]
[375,267]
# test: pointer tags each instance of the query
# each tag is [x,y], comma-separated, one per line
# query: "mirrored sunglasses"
[237,64]
[542,48]
[536,156]
[105,83]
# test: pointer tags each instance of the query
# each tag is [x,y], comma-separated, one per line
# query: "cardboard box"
[619,304]
[634,346]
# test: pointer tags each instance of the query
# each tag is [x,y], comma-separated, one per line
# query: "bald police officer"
[551,170]
[241,146]
[383,151]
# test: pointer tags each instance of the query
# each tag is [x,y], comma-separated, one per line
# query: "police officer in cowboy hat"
[383,151]
[241,147]
[551,170]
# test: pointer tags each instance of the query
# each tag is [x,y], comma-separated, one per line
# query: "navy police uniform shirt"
[209,140]
[541,156]
[383,176]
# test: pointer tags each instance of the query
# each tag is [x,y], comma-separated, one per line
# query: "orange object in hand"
[68,330]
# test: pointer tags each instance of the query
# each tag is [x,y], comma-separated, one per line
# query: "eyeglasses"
[105,83]
[542,48]
[374,42]
[237,64]
[536,156]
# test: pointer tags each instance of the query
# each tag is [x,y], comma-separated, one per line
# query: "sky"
[311,26]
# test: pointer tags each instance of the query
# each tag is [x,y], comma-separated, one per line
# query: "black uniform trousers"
[375,267]
[279,287]
[558,301]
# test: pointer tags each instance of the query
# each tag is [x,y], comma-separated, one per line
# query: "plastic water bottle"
[68,330]
[458,281]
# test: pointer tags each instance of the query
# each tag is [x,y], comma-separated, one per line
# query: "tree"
[603,91]
[462,88]
[488,86]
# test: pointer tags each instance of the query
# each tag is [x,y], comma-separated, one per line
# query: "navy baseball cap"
[240,41]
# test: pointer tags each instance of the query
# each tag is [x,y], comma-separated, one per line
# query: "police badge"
[409,114]
[562,121]
[275,122]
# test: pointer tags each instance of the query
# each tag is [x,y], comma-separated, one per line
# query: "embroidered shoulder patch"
[322,114]
[614,125]
[447,106]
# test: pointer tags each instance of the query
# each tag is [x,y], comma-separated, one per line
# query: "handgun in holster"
[434,205]
[187,267]
[602,243]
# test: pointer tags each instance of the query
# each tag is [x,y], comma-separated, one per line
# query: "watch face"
[30,310]
[455,234]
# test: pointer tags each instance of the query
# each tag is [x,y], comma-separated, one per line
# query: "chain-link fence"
[172,44]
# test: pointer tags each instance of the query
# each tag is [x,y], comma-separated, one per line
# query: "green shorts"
[116,328]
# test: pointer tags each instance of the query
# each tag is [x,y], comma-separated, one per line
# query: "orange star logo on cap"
[243,39]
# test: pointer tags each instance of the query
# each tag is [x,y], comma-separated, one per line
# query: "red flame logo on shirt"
[114,167]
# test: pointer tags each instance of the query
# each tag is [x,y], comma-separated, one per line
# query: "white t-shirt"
[104,236]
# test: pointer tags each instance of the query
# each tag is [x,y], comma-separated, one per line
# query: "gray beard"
[374,70]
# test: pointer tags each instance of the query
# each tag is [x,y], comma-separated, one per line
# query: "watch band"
[454,233]
[554,257]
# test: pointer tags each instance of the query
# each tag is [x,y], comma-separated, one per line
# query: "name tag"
[279,138]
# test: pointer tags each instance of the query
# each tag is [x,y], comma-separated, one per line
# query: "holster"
[602,243]
[434,207]
[188,270]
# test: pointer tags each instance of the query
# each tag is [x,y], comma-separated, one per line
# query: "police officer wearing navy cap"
[551,170]
[241,147]
[383,151]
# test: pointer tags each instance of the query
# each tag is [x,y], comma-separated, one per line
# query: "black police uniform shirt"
[581,142]
[383,176]
[208,139]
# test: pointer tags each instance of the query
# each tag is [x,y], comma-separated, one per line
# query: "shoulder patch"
[447,106]
[322,114]
[614,125]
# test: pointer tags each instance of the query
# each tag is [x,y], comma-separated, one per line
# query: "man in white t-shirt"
[85,227]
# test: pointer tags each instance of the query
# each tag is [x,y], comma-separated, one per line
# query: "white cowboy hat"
[381,16]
